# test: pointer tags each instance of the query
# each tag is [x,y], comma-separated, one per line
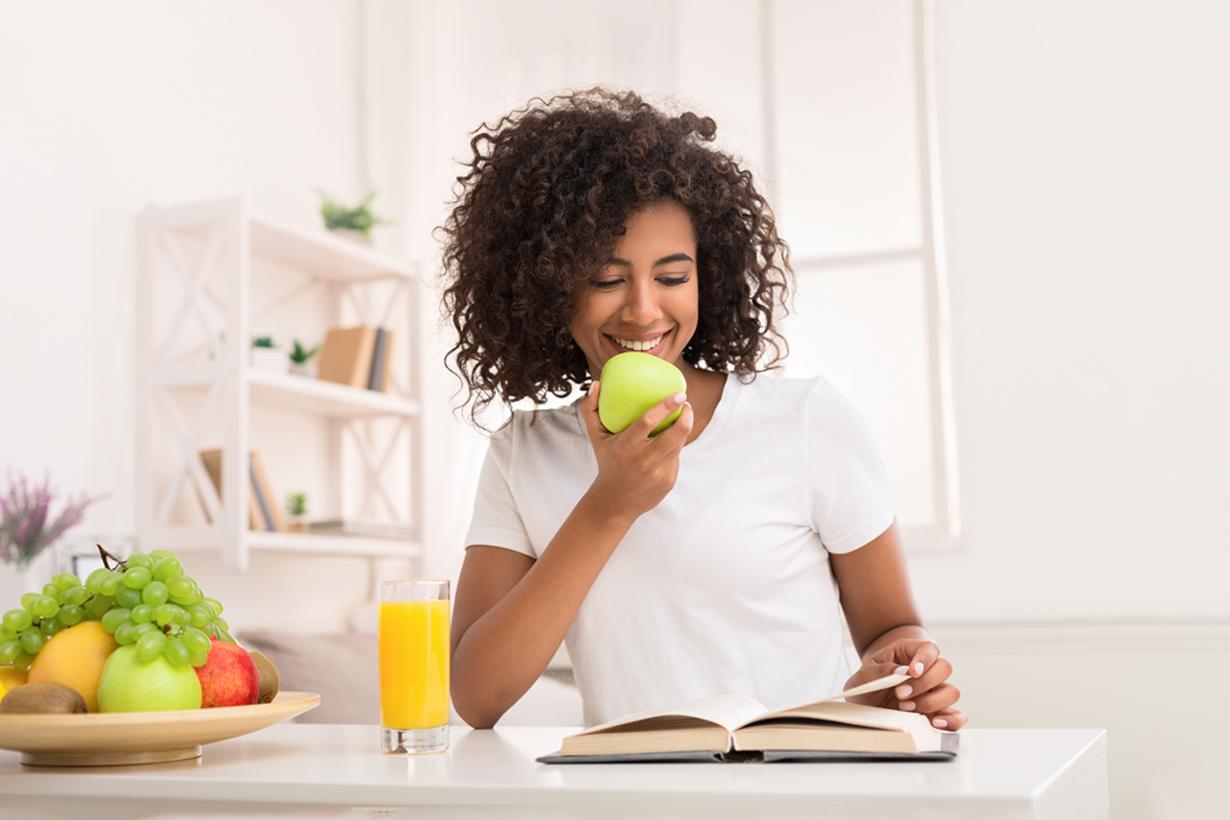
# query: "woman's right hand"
[635,471]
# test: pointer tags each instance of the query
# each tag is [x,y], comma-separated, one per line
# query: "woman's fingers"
[938,699]
[924,655]
[950,719]
[655,415]
[936,674]
[675,436]
[589,415]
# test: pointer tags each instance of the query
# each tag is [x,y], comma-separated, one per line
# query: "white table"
[326,771]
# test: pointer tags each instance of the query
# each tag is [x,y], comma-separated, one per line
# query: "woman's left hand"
[928,693]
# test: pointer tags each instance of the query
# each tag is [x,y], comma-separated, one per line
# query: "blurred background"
[1007,221]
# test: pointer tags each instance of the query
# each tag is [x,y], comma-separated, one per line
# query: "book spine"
[269,508]
[212,459]
[375,376]
[261,502]
[390,340]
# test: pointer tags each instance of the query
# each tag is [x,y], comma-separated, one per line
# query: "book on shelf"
[265,499]
[263,512]
[734,728]
[361,529]
[345,356]
[357,356]
[382,356]
[212,461]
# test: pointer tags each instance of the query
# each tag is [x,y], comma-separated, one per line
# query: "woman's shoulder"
[787,393]
[811,400]
[539,426]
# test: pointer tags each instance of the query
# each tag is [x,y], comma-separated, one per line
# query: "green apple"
[130,685]
[633,382]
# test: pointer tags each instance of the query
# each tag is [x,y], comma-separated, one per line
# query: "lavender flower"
[24,531]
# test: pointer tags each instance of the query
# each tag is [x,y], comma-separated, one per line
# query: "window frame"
[946,534]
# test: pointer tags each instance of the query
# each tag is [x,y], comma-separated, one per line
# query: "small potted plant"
[355,223]
[300,357]
[296,508]
[266,356]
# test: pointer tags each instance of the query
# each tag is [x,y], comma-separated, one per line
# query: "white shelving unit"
[207,253]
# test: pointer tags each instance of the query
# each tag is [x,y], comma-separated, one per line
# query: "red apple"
[229,676]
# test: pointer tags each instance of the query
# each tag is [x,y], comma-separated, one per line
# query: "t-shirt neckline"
[723,410]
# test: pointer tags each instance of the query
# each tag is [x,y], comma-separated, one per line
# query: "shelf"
[313,251]
[309,395]
[209,252]
[322,254]
[333,544]
[302,394]
[189,539]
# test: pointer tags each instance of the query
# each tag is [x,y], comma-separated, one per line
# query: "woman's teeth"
[642,346]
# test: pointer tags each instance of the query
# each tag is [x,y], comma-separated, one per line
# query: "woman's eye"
[607,284]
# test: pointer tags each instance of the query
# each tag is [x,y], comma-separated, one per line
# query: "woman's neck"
[704,392]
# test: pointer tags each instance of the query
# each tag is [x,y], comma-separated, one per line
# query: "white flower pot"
[269,358]
[14,582]
[308,368]
[354,236]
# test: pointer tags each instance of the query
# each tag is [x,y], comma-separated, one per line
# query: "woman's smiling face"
[645,296]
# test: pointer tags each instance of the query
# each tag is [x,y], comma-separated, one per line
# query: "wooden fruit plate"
[125,738]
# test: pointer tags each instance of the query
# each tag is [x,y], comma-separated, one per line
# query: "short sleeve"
[496,520]
[848,489]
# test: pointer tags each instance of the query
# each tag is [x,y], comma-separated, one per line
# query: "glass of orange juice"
[414,650]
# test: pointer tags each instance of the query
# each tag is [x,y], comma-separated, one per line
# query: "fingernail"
[918,668]
[939,723]
[905,691]
[907,705]
[901,670]
[679,398]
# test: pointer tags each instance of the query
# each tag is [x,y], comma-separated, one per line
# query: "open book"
[729,728]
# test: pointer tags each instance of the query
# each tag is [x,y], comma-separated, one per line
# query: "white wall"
[105,108]
[1085,192]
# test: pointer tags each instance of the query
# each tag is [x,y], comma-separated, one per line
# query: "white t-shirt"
[725,586]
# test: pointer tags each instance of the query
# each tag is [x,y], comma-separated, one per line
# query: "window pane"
[864,330]
[846,135]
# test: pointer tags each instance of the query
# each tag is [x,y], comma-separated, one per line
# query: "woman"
[717,556]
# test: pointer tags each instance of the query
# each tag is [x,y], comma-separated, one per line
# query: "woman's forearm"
[505,650]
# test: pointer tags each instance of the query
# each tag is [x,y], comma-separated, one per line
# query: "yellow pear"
[75,658]
[10,678]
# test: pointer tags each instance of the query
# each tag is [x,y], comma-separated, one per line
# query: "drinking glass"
[414,649]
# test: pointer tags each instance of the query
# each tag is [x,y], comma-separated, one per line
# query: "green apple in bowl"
[633,382]
[131,685]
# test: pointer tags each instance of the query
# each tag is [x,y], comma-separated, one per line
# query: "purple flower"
[24,531]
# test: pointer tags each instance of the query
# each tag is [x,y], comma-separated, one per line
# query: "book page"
[886,682]
[727,711]
[806,709]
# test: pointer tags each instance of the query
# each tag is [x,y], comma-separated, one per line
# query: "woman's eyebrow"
[674,257]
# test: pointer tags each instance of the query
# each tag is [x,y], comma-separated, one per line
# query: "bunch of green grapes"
[147,601]
[62,603]
[158,608]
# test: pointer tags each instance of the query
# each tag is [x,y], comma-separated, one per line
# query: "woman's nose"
[642,305]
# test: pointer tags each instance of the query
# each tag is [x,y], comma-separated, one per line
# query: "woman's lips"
[653,351]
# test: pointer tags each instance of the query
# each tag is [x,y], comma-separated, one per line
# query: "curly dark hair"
[546,196]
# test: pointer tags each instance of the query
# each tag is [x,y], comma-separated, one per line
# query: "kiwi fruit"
[42,698]
[268,675]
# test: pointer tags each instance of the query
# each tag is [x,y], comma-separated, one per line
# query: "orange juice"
[413,664]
